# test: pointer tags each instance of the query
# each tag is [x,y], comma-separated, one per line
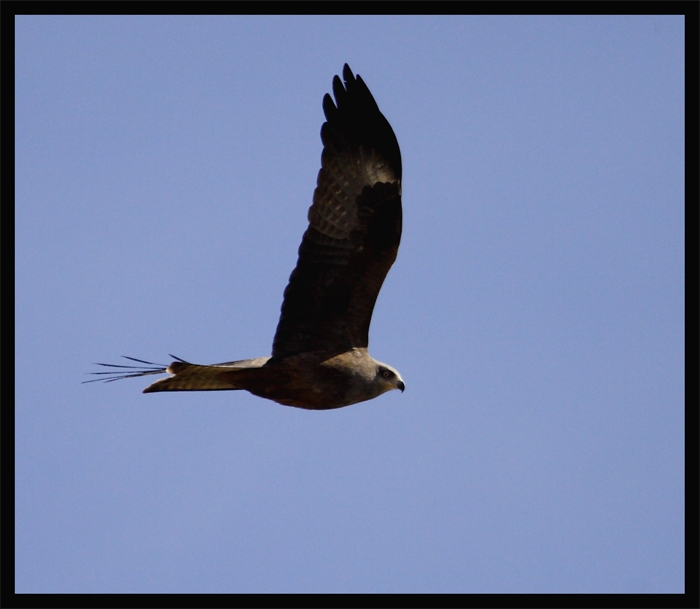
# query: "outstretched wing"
[354,228]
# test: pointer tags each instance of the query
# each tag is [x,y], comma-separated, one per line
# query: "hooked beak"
[401,386]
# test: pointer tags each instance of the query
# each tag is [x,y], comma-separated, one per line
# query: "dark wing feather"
[354,228]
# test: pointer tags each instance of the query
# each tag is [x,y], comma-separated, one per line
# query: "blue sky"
[164,166]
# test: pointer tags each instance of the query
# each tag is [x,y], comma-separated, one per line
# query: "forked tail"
[186,376]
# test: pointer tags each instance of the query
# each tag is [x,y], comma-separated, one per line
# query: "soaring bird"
[319,355]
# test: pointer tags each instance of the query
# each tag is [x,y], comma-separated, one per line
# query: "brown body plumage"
[319,354]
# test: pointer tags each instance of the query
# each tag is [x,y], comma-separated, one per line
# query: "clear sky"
[164,169]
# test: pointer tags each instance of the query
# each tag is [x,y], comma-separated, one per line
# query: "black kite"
[319,353]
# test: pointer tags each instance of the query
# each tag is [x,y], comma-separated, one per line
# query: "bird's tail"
[186,376]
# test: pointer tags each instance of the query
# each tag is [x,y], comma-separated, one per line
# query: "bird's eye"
[386,374]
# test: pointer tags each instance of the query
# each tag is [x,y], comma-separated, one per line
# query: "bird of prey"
[319,355]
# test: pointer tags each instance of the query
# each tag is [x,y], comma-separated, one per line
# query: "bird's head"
[388,378]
